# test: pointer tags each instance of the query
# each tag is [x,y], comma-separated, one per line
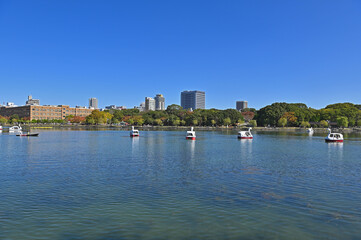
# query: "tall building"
[32,102]
[240,105]
[193,100]
[159,102]
[149,104]
[93,103]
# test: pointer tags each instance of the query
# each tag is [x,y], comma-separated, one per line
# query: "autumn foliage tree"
[98,117]
[248,116]
[291,118]
[75,119]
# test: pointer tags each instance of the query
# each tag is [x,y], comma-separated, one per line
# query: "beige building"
[44,112]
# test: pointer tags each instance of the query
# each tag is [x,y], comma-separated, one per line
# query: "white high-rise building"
[159,102]
[149,104]
[93,103]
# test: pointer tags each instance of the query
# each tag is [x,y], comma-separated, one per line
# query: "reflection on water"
[335,150]
[191,149]
[106,185]
[246,147]
[135,144]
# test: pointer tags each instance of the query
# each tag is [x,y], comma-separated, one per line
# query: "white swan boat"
[334,137]
[245,134]
[134,132]
[310,130]
[15,129]
[191,135]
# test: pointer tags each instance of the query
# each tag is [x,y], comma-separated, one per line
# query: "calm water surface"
[106,185]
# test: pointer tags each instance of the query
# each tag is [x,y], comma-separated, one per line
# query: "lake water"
[106,185]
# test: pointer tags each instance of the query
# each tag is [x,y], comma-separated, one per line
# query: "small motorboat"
[15,129]
[310,130]
[1,128]
[191,135]
[334,137]
[134,132]
[245,134]
[27,134]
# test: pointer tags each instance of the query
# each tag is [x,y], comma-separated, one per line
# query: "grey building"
[141,107]
[32,102]
[111,107]
[240,105]
[93,103]
[193,100]
[159,102]
[149,104]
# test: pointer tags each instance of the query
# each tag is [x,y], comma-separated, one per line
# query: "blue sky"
[64,52]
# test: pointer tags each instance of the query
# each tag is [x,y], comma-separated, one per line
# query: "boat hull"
[333,141]
[245,137]
[131,135]
[190,138]
[28,135]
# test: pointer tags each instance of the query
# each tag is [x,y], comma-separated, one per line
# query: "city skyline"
[239,105]
[263,52]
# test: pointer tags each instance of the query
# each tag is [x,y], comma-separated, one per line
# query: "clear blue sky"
[66,51]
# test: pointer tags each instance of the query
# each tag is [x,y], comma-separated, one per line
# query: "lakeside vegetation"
[298,114]
[276,114]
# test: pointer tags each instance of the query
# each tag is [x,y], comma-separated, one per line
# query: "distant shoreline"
[199,128]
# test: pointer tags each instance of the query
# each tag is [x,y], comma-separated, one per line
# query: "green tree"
[98,117]
[130,121]
[342,122]
[90,120]
[324,123]
[227,121]
[270,114]
[305,124]
[173,109]
[115,121]
[282,122]
[195,122]
[158,122]
[3,120]
[240,121]
[359,123]
[253,123]
[176,122]
[140,121]
[213,122]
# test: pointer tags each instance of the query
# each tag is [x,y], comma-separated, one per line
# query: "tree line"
[174,115]
[276,114]
[298,114]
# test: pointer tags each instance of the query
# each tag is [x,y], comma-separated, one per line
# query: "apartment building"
[44,112]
